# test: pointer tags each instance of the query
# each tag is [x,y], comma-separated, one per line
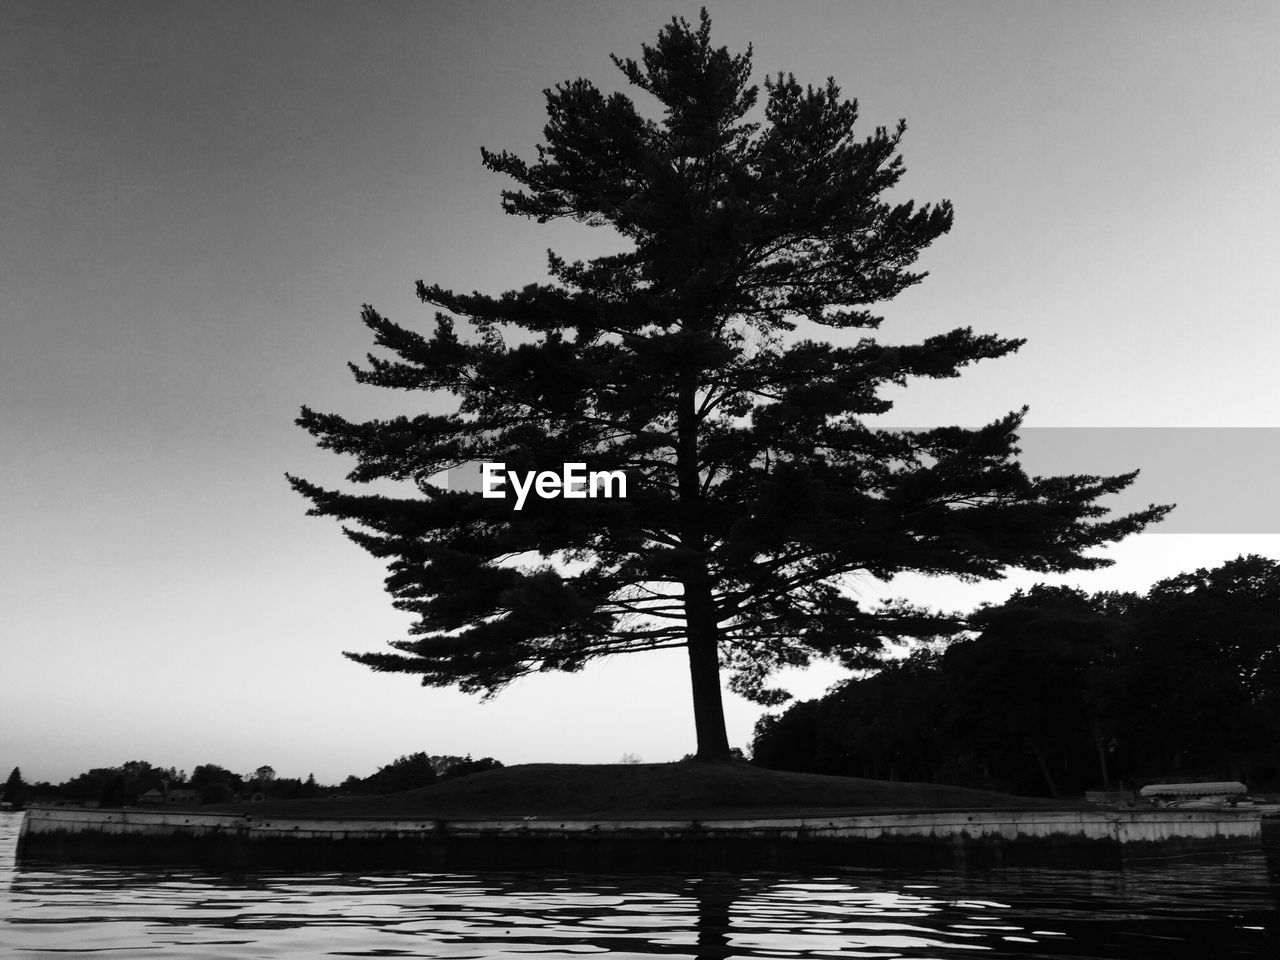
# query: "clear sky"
[197,197]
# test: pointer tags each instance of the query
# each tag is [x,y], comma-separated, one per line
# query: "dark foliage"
[15,790]
[116,786]
[215,784]
[417,770]
[1060,690]
[726,362]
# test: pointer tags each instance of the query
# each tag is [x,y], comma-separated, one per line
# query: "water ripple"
[1211,907]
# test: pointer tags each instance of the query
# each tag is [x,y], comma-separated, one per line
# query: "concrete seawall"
[959,837]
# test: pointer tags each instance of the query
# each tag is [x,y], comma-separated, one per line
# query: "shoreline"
[958,838]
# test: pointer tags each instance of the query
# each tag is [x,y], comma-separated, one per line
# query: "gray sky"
[195,199]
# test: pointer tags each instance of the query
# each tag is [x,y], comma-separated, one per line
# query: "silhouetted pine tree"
[756,484]
[14,789]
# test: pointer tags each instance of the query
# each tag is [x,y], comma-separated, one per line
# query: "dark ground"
[678,790]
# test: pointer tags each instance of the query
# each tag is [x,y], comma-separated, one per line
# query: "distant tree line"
[211,783]
[417,770]
[1057,690]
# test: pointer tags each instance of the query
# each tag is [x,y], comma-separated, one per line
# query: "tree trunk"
[702,631]
[704,674]
[1044,768]
[1102,753]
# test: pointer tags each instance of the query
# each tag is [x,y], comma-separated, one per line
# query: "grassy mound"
[689,790]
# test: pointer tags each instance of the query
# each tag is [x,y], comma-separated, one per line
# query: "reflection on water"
[1191,907]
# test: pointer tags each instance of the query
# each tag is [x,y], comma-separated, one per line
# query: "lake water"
[1201,907]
